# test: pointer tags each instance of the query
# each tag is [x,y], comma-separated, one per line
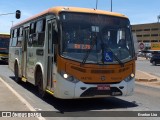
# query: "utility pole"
[96,4]
[111,5]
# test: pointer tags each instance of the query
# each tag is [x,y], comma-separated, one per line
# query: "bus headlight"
[69,77]
[65,76]
[129,78]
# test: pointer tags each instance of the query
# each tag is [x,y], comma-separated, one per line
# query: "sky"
[138,11]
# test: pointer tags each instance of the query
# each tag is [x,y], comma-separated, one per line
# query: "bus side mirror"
[55,37]
[18,14]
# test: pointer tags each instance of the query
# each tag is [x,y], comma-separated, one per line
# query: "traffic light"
[18,14]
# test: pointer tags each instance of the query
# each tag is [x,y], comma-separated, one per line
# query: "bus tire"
[16,73]
[39,79]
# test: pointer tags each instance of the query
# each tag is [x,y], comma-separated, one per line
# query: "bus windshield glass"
[96,38]
[4,45]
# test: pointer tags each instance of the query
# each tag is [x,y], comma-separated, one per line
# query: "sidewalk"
[10,100]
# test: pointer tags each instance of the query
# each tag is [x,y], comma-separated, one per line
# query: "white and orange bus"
[74,53]
[4,47]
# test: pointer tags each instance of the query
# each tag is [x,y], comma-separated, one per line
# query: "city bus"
[72,52]
[4,47]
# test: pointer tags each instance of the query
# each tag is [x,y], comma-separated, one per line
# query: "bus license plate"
[103,87]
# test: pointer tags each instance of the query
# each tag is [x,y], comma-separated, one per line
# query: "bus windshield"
[96,38]
[4,45]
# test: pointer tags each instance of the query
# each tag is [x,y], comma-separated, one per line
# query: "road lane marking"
[20,98]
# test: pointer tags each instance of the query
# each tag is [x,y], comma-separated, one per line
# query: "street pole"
[96,3]
[6,14]
[17,14]
[111,5]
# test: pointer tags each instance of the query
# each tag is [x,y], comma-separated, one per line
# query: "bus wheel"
[40,83]
[16,73]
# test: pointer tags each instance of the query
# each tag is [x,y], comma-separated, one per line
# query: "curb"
[146,80]
[150,78]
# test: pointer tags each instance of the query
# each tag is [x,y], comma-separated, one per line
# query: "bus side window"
[40,32]
[33,28]
[20,36]
[11,33]
[32,36]
[14,38]
[21,32]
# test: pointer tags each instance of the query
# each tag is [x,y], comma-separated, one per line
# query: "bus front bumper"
[67,90]
[121,89]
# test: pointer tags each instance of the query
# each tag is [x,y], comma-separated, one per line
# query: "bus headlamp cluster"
[129,78]
[69,77]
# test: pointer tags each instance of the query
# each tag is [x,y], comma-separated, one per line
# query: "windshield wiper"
[88,52]
[120,62]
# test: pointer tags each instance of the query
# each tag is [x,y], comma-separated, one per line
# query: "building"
[147,33]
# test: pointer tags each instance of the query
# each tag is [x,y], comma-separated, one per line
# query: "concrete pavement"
[10,101]
[8,98]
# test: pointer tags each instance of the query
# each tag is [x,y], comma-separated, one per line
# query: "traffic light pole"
[6,14]
[17,14]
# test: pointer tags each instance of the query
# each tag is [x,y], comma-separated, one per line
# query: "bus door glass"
[50,58]
[24,52]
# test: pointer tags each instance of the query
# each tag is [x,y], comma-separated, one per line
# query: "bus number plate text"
[103,87]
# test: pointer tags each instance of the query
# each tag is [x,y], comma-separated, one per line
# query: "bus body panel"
[130,87]
[15,56]
[34,60]
[63,89]
[90,73]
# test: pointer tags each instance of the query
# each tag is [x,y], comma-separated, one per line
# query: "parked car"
[155,59]
[140,54]
[148,55]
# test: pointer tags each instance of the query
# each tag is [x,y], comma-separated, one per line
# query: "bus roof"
[58,9]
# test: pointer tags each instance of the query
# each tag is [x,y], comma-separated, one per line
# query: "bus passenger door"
[24,52]
[50,56]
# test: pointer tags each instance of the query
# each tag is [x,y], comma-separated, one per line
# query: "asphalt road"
[144,99]
[146,66]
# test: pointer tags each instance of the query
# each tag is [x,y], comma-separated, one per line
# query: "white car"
[148,55]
